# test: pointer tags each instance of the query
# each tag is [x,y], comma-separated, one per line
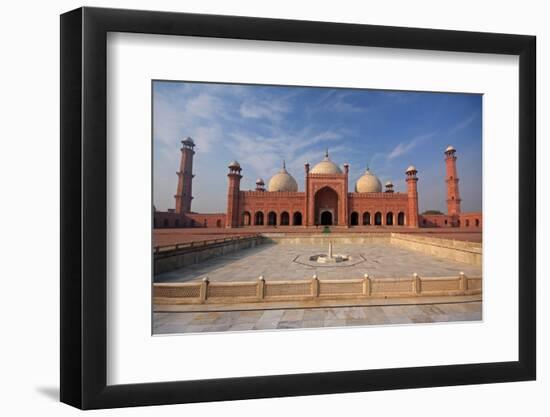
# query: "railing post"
[366,285]
[462,282]
[204,289]
[261,287]
[416,284]
[315,286]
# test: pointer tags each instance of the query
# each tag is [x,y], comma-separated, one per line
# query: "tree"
[432,212]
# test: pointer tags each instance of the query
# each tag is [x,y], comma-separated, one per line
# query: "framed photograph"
[257,208]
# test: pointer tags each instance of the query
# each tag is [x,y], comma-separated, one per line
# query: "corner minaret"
[233,192]
[412,192]
[453,196]
[185,177]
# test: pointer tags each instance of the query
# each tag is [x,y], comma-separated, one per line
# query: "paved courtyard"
[291,262]
[202,322]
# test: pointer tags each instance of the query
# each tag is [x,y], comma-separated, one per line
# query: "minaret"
[453,196]
[185,177]
[412,218]
[233,191]
[260,185]
[345,197]
[308,206]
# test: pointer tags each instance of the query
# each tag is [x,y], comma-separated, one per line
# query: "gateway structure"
[324,201]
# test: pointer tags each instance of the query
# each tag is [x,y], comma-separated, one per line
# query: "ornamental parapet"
[389,196]
[271,194]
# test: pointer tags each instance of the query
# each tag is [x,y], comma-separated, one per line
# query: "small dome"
[188,141]
[389,184]
[259,181]
[368,183]
[411,168]
[282,181]
[326,166]
[450,148]
[234,164]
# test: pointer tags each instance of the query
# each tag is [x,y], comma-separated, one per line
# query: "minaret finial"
[284,164]
[326,153]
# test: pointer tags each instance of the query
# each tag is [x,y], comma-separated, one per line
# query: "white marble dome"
[282,181]
[368,183]
[326,166]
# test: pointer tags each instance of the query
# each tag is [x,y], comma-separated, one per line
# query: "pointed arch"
[285,218]
[366,218]
[297,218]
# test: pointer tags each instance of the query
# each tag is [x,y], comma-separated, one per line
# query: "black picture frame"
[84,179]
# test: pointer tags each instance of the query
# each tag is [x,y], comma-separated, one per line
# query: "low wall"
[261,291]
[454,250]
[323,239]
[169,258]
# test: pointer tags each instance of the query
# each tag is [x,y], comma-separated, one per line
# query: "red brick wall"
[471,220]
[465,220]
[279,202]
[383,203]
[169,219]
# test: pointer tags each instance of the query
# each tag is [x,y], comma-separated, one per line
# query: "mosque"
[325,201]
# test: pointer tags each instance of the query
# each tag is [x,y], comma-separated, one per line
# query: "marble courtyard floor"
[204,322]
[291,262]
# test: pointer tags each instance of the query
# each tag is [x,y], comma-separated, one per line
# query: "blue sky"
[260,126]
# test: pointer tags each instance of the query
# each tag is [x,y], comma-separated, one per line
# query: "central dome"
[282,181]
[368,183]
[326,166]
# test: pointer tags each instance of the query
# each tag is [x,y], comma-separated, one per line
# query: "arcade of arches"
[325,199]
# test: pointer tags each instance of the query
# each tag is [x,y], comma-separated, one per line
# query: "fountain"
[329,257]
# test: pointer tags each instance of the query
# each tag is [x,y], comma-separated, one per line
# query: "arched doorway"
[285,219]
[401,219]
[246,218]
[218,223]
[326,201]
[272,218]
[389,218]
[378,218]
[326,218]
[354,219]
[259,218]
[297,219]
[366,218]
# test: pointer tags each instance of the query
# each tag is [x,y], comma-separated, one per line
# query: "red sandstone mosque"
[325,200]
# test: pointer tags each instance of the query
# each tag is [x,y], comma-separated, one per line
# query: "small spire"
[284,164]
[326,153]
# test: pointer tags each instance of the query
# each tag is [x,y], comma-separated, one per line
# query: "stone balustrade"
[264,291]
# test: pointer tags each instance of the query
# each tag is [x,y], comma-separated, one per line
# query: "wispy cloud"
[404,148]
[462,124]
[263,110]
